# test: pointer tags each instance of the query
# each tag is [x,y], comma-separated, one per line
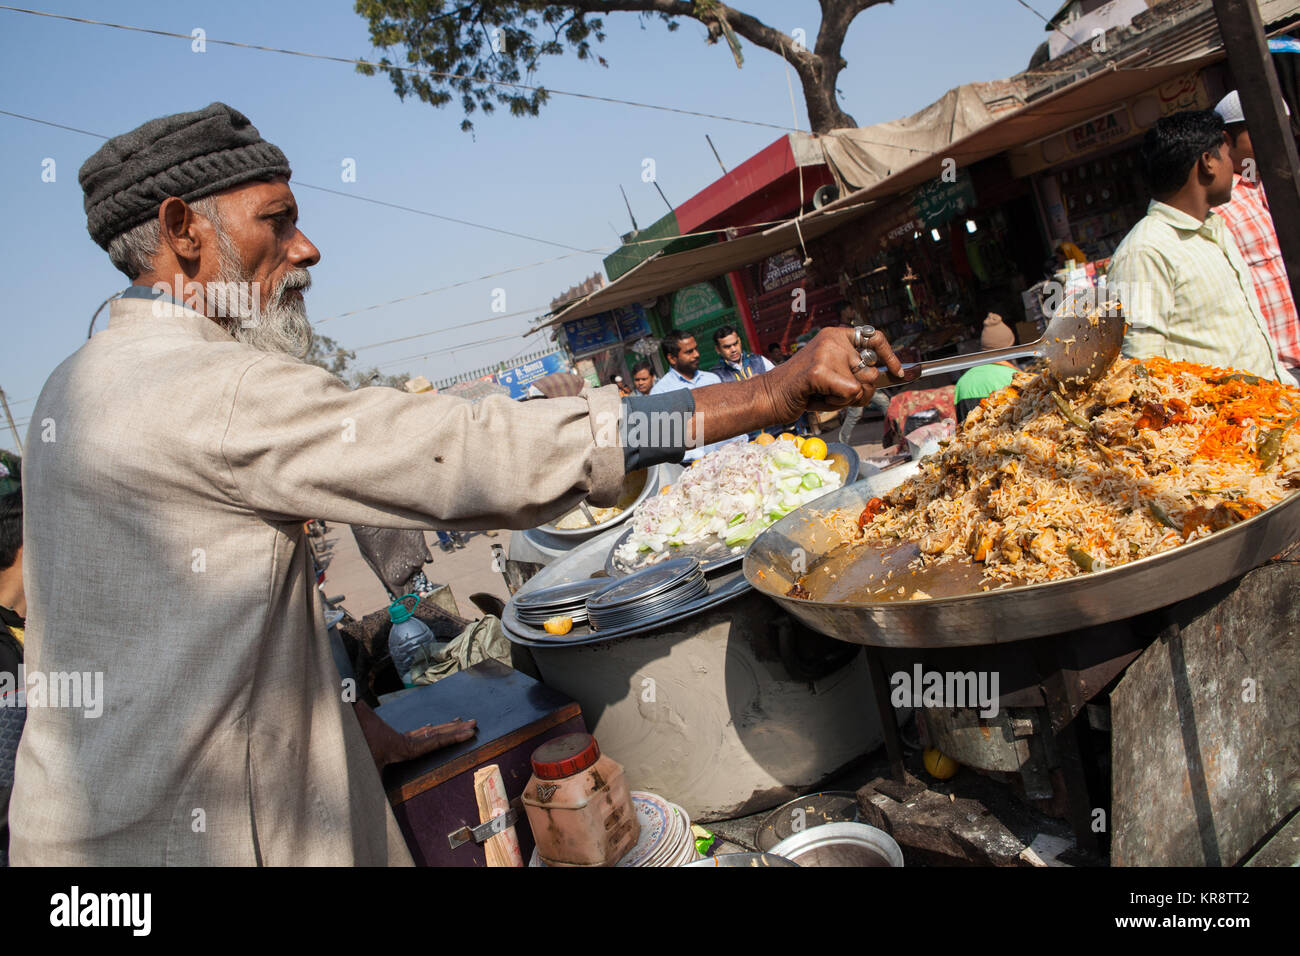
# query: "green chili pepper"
[1070,414]
[1236,377]
[1162,516]
[1270,446]
[1080,557]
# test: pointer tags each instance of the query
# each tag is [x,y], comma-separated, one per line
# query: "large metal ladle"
[1078,349]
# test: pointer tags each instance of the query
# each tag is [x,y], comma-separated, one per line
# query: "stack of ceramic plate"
[647,594]
[665,840]
[562,600]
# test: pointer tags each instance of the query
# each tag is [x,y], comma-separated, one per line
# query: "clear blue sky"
[555,176]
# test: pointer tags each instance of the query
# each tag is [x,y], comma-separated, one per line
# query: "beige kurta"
[167,474]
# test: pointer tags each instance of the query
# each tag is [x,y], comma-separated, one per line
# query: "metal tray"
[581,564]
[714,555]
[1008,614]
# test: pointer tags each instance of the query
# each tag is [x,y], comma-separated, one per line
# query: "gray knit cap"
[190,155]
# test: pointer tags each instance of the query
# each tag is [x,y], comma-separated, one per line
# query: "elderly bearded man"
[164,540]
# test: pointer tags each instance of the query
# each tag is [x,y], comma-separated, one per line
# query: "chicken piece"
[1119,389]
[1043,544]
[936,542]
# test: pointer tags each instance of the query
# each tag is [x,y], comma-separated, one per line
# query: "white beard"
[277,325]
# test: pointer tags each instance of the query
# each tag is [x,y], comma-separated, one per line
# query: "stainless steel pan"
[959,613]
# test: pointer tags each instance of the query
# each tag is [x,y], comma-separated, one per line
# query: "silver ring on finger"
[868,357]
[863,332]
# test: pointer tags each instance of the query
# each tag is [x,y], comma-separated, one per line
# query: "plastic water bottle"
[409,640]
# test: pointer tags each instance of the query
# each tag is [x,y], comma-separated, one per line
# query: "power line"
[454,285]
[434,215]
[33,119]
[339,192]
[597,250]
[449,76]
[1045,20]
[444,351]
[464,325]
[419,71]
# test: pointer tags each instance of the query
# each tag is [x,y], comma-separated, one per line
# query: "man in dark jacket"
[736,363]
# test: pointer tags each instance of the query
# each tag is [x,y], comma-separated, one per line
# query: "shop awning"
[1087,99]
[860,158]
[662,273]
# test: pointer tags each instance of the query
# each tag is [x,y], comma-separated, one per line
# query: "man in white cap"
[1248,218]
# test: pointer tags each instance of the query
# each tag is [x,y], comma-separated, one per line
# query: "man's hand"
[823,375]
[388,746]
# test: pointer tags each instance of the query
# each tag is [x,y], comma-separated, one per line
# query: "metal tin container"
[841,844]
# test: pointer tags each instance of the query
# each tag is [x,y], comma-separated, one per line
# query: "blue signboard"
[633,323]
[593,334]
[518,379]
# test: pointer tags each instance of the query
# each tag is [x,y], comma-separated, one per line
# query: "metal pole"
[715,154]
[1270,130]
[12,427]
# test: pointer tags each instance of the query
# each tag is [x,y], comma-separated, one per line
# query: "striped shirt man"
[1188,295]
[1251,224]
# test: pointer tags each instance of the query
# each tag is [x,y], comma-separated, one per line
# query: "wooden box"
[433,797]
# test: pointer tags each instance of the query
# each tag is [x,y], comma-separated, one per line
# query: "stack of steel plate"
[562,600]
[647,594]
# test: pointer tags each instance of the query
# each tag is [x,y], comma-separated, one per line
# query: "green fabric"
[482,640]
[982,381]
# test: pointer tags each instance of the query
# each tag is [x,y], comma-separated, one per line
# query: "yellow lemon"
[764,439]
[938,764]
[786,436]
[558,625]
[814,448]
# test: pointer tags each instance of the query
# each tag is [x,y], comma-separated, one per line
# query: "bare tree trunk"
[824,111]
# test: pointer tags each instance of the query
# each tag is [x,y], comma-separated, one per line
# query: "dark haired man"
[683,355]
[643,377]
[735,363]
[13,612]
[1251,223]
[1187,292]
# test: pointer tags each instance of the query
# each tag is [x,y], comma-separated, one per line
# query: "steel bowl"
[841,844]
[637,487]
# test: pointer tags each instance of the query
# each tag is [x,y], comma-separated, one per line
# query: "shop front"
[608,343]
[1087,180]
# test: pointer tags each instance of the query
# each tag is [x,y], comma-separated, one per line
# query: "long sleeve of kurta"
[300,443]
[166,569]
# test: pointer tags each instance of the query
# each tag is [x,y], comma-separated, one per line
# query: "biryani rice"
[1154,455]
